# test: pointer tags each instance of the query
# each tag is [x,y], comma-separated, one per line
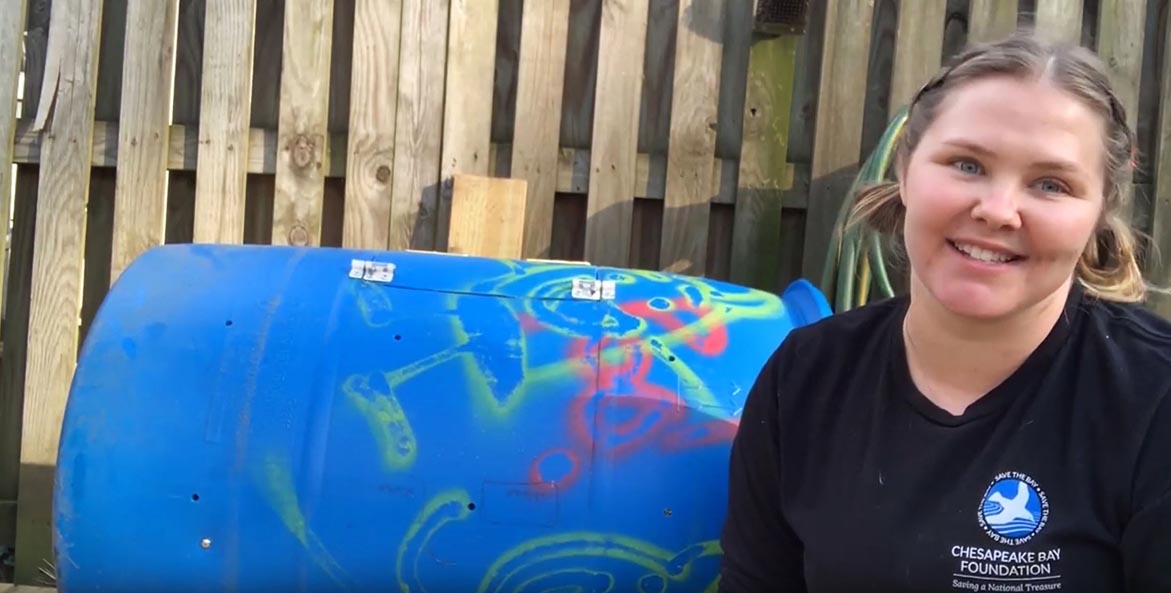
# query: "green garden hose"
[856,254]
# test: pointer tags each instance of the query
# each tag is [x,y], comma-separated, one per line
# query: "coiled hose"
[856,260]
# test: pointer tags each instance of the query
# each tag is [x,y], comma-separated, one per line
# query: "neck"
[956,360]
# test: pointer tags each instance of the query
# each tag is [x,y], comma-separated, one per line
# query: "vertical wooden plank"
[581,74]
[504,87]
[884,33]
[654,112]
[12,24]
[692,149]
[19,283]
[302,132]
[99,212]
[1120,44]
[838,133]
[764,172]
[140,192]
[224,120]
[268,47]
[467,116]
[12,20]
[419,124]
[487,216]
[918,48]
[180,219]
[1060,20]
[56,276]
[373,102]
[610,209]
[540,80]
[990,20]
[1159,265]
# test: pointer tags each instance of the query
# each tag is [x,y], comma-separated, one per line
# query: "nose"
[997,207]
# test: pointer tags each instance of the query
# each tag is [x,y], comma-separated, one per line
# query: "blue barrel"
[257,418]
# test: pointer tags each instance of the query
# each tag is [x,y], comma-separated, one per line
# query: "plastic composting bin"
[255,419]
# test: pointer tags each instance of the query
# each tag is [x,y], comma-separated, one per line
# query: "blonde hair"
[1108,268]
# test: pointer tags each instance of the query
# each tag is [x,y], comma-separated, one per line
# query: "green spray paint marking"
[388,422]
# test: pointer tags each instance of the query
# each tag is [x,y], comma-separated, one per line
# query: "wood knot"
[302,150]
[382,174]
[298,235]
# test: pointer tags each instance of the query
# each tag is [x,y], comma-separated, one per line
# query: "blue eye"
[1048,185]
[969,167]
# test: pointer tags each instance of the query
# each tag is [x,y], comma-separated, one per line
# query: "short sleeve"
[760,551]
[1146,539]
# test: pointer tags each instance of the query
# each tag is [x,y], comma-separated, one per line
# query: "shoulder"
[1134,326]
[1127,339]
[853,330]
[1120,364]
[858,339]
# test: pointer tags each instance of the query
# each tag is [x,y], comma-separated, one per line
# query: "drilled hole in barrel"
[397,337]
[195,497]
[228,322]
[471,506]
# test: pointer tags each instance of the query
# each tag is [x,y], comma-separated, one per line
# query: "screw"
[205,544]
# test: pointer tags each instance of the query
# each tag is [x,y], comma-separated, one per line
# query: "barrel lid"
[805,303]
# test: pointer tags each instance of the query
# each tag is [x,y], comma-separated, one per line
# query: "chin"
[976,301]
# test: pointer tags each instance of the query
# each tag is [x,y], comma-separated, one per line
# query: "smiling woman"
[1007,424]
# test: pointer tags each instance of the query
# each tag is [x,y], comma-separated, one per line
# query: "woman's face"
[1002,195]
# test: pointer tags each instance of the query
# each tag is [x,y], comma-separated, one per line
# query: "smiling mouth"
[984,255]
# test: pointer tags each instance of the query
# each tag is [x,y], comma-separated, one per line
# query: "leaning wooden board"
[74,41]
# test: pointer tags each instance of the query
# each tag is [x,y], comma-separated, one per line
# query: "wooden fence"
[664,134]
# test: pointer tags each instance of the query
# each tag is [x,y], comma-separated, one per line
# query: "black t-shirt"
[845,478]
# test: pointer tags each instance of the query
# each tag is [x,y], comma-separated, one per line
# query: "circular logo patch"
[1014,509]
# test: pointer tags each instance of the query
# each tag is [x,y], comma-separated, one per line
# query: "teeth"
[983,255]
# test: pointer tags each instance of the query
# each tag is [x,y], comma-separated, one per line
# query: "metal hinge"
[371,270]
[592,289]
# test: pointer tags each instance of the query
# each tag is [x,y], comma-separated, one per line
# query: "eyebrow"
[1059,165]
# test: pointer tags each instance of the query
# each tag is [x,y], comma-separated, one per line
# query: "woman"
[1007,425]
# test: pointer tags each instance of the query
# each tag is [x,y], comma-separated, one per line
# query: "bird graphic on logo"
[1013,509]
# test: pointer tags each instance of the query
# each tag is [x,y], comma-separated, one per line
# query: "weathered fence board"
[918,47]
[373,103]
[991,19]
[1060,19]
[610,206]
[302,130]
[225,111]
[12,22]
[695,99]
[18,287]
[540,82]
[838,135]
[12,17]
[1120,43]
[140,193]
[1159,268]
[764,172]
[69,87]
[419,124]
[467,119]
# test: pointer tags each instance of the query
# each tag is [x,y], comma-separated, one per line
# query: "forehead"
[1022,119]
